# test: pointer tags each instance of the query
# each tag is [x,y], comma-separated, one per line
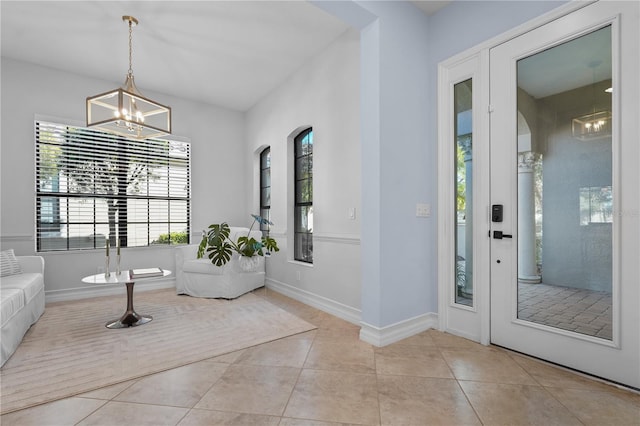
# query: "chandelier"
[597,124]
[124,111]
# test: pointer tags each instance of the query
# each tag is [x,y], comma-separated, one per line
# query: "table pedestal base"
[130,317]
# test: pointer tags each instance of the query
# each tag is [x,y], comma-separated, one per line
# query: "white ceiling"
[227,53]
[431,6]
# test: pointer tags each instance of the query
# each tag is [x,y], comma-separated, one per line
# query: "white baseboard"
[383,336]
[332,307]
[106,290]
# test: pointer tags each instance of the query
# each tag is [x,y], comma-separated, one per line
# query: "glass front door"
[563,153]
[564,185]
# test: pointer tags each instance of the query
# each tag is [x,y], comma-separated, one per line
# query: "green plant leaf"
[248,246]
[202,247]
[270,244]
[220,254]
[218,233]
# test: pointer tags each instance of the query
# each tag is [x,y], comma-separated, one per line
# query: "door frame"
[471,323]
[449,315]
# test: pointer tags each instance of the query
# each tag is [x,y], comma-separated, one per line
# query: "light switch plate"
[423,210]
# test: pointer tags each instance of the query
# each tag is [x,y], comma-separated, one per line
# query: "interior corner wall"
[217,167]
[324,94]
[401,48]
[399,280]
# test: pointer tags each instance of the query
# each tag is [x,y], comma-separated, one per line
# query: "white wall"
[217,166]
[323,94]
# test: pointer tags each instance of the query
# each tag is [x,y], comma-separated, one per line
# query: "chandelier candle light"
[124,111]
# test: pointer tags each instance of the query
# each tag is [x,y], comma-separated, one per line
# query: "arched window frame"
[303,196]
[265,188]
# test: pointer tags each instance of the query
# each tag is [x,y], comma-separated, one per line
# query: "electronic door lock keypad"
[496,213]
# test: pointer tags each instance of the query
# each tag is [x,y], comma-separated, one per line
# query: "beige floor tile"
[500,404]
[229,358]
[420,339]
[449,341]
[550,376]
[209,418]
[331,327]
[108,392]
[341,354]
[251,389]
[288,352]
[333,396]
[486,366]
[305,422]
[180,387]
[423,401]
[405,360]
[594,407]
[124,413]
[58,413]
[327,392]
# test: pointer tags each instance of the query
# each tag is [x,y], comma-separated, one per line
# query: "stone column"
[527,269]
[465,143]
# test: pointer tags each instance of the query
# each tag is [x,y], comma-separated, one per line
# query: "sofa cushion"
[8,263]
[202,266]
[12,301]
[30,284]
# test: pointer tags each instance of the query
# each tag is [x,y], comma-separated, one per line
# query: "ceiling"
[227,53]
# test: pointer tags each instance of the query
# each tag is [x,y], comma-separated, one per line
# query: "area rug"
[69,351]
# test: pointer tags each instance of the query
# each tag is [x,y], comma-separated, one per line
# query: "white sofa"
[22,299]
[200,278]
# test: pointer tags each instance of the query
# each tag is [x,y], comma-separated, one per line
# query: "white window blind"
[91,186]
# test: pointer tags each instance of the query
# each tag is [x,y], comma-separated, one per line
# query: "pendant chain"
[130,48]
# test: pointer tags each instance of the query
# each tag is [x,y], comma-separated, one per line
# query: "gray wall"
[29,90]
[323,94]
[574,255]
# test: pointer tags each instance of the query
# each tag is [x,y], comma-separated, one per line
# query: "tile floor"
[329,377]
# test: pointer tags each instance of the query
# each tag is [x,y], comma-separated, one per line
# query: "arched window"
[265,187]
[303,205]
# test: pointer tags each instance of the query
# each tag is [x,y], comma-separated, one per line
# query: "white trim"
[332,307]
[106,290]
[383,336]
[336,238]
[17,237]
[481,197]
[470,322]
[530,25]
[324,237]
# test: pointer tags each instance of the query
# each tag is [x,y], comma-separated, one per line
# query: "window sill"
[299,263]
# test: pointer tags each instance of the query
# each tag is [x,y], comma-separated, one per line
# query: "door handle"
[498,235]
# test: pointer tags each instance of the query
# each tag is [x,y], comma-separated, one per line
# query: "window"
[596,205]
[303,233]
[265,187]
[91,186]
[463,129]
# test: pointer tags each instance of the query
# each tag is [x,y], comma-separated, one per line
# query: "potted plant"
[219,247]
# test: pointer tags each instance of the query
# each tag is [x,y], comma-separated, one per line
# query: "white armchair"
[201,278]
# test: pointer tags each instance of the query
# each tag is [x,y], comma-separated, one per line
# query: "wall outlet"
[423,210]
[351,213]
[298,275]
